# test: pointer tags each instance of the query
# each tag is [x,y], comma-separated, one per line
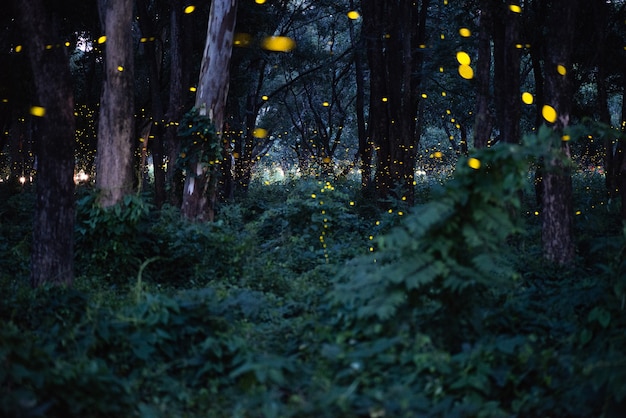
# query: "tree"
[52,258]
[395,33]
[557,204]
[199,192]
[114,164]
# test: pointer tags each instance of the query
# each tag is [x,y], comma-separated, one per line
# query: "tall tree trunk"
[52,259]
[199,194]
[114,165]
[482,126]
[507,74]
[179,77]
[395,30]
[149,31]
[557,202]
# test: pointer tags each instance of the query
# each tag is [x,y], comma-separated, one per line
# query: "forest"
[313,208]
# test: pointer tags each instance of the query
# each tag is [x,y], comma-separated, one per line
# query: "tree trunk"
[114,165]
[179,77]
[395,30]
[482,127]
[199,193]
[557,201]
[52,258]
[507,74]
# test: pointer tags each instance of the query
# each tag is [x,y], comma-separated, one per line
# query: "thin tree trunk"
[557,201]
[52,258]
[482,127]
[199,194]
[114,165]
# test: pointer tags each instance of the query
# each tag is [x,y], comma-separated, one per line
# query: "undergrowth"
[306,300]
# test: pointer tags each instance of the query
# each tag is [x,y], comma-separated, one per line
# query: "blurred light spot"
[384,99]
[353,14]
[190,9]
[143,40]
[424,96]
[38,111]
[278,43]
[527,98]
[242,39]
[259,133]
[549,113]
[67,43]
[474,163]
[565,138]
[561,69]
[264,98]
[259,1]
[325,104]
[466,72]
[463,58]
[465,33]
[515,8]
[442,36]
[120,68]
[193,89]
[102,39]
[18,48]
[438,154]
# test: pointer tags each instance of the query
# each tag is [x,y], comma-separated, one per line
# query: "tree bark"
[482,126]
[199,194]
[114,165]
[395,31]
[557,201]
[52,258]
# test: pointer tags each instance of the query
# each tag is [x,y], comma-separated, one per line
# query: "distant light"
[325,104]
[474,163]
[466,72]
[465,32]
[18,48]
[463,58]
[242,39]
[259,1]
[515,8]
[102,39]
[264,98]
[192,89]
[278,43]
[549,113]
[259,133]
[190,9]
[67,43]
[384,99]
[120,68]
[561,69]
[527,98]
[38,111]
[353,15]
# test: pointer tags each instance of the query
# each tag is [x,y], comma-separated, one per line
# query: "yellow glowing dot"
[442,36]
[351,203]
[438,154]
[242,39]
[353,14]
[464,32]
[466,72]
[48,46]
[38,111]
[441,69]
[527,98]
[474,163]
[67,43]
[384,99]
[278,43]
[536,213]
[424,96]
[120,68]
[102,39]
[259,1]
[390,211]
[519,46]
[325,104]
[326,160]
[400,213]
[561,69]
[193,89]
[190,9]
[18,48]
[463,58]
[515,8]
[372,249]
[264,98]
[565,138]
[549,113]
[313,195]
[444,94]
[259,133]
[578,212]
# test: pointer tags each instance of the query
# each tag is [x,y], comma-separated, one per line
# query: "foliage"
[199,142]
